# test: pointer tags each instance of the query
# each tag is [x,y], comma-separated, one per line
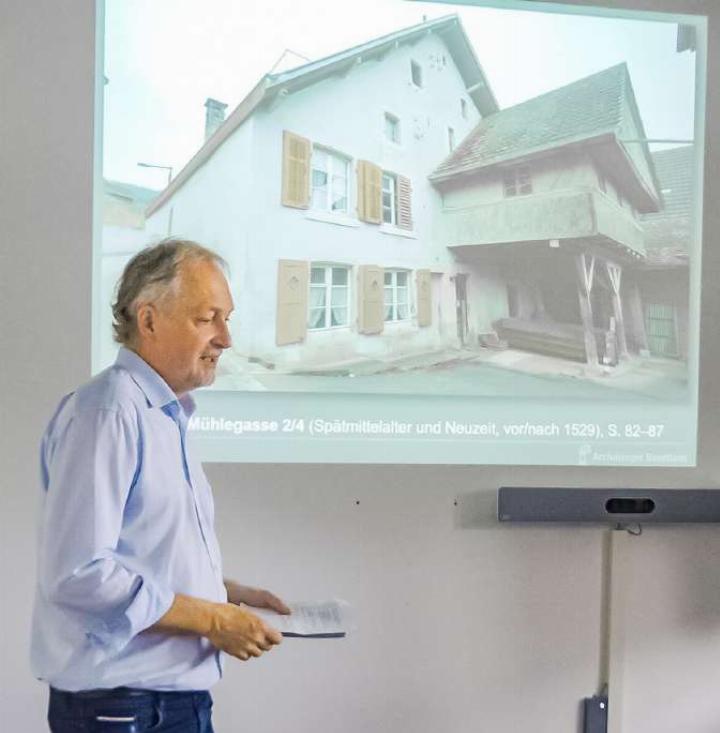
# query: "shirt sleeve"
[91,467]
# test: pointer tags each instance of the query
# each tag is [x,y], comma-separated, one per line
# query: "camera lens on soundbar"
[629,505]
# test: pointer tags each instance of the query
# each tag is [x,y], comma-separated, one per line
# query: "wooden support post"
[615,275]
[586,270]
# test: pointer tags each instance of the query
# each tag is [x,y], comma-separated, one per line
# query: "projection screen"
[454,234]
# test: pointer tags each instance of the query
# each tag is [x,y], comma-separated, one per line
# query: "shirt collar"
[156,390]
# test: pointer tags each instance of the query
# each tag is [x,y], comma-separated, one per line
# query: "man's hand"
[256,597]
[231,628]
[239,632]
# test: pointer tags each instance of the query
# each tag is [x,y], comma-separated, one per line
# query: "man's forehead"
[203,282]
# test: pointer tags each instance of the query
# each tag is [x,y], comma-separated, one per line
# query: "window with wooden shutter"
[370,299]
[397,295]
[389,199]
[423,284]
[297,153]
[329,297]
[404,203]
[369,192]
[292,302]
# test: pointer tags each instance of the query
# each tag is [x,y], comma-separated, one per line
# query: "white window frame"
[334,158]
[395,302]
[328,288]
[515,179]
[393,197]
[394,121]
[416,65]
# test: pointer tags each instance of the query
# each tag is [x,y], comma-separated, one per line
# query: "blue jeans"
[126,710]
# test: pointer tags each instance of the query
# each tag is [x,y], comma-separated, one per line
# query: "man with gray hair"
[132,611]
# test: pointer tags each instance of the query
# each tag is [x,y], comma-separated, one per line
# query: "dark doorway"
[461,307]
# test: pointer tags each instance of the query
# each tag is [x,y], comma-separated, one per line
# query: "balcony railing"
[543,216]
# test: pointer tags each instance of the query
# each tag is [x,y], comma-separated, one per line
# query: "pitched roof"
[591,109]
[583,109]
[448,27]
[667,232]
[271,86]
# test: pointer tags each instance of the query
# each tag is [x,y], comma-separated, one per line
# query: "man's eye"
[205,320]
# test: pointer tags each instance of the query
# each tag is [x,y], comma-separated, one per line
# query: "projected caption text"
[321,427]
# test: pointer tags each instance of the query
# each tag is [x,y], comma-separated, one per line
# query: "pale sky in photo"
[163,58]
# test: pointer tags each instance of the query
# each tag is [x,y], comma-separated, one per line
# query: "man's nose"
[223,339]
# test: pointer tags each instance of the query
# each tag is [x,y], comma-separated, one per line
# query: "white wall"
[463,626]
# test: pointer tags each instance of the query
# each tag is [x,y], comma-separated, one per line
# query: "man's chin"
[203,380]
[208,379]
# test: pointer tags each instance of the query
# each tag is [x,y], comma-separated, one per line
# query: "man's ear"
[146,319]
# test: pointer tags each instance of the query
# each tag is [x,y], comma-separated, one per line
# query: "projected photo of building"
[383,218]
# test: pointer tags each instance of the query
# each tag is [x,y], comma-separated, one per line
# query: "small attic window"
[416,73]
[392,128]
[517,181]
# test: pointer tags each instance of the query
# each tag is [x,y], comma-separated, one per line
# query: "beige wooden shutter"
[404,203]
[292,305]
[371,305]
[423,284]
[297,152]
[369,192]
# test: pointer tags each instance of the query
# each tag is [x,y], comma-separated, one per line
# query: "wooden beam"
[585,272]
[615,275]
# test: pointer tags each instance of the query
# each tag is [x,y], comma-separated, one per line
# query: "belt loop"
[159,708]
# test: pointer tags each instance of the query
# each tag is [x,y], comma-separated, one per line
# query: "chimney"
[214,116]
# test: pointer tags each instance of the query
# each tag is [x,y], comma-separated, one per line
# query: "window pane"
[317,275]
[319,159]
[319,178]
[338,316]
[339,276]
[416,73]
[339,185]
[317,318]
[388,312]
[339,296]
[388,278]
[401,278]
[402,311]
[392,128]
[319,191]
[317,297]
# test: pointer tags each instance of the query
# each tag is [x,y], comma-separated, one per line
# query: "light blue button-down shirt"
[127,522]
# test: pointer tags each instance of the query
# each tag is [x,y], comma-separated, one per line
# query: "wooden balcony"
[563,215]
